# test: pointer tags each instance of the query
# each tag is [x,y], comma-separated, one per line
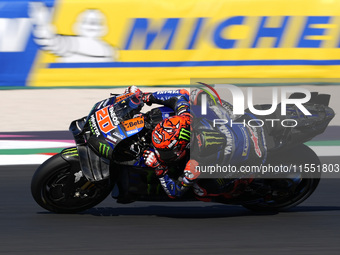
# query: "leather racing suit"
[220,144]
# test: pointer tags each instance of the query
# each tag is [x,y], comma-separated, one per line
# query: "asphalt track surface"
[166,228]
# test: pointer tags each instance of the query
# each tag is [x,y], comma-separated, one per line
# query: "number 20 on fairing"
[104,121]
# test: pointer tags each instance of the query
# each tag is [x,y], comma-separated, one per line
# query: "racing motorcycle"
[110,142]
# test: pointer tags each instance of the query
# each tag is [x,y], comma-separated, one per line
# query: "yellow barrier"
[171,41]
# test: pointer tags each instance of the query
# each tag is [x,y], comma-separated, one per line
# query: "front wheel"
[59,186]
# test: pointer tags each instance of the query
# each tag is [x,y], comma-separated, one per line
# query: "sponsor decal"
[167,92]
[104,149]
[212,138]
[111,139]
[163,183]
[104,121]
[118,135]
[70,152]
[184,134]
[93,126]
[132,124]
[132,132]
[113,116]
[230,141]
[122,97]
[309,31]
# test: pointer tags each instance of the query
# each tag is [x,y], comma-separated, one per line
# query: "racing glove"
[133,89]
[190,172]
[146,98]
[151,160]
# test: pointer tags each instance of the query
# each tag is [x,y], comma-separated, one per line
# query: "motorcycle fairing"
[94,168]
[114,118]
[110,121]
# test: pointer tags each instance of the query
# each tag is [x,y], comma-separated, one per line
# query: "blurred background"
[105,43]
[48,48]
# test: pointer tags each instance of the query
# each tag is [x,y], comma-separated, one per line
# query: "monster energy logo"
[184,134]
[104,149]
[212,138]
[70,152]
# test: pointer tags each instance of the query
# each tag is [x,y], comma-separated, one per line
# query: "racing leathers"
[211,143]
[177,149]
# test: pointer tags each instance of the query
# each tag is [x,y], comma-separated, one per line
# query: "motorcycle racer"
[171,144]
[175,136]
[170,139]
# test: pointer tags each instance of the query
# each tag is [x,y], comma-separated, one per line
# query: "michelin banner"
[117,42]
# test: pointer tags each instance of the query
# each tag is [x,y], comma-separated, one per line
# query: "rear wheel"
[60,187]
[289,192]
